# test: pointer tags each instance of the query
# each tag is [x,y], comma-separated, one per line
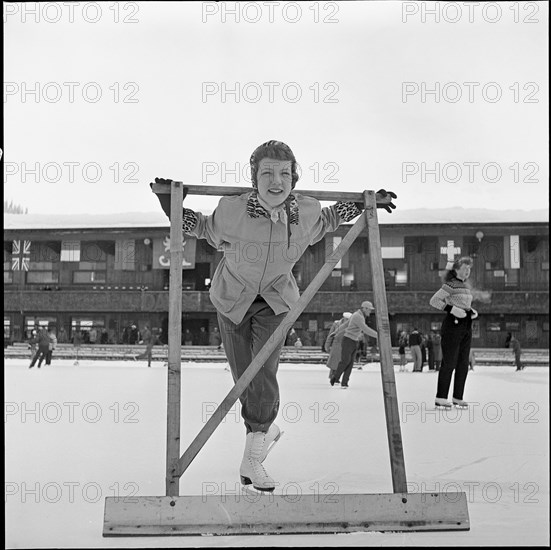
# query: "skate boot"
[441,402]
[252,471]
[460,404]
[272,437]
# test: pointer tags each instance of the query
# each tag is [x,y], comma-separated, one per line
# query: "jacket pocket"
[286,286]
[226,290]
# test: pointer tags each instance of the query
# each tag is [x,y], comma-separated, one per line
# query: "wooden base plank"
[246,513]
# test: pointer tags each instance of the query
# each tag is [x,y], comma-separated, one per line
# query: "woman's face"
[274,179]
[463,272]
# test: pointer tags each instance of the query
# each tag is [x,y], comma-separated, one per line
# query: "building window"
[87,277]
[42,277]
[42,273]
[35,323]
[476,329]
[512,277]
[401,277]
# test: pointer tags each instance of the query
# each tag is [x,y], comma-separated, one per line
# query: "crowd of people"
[425,349]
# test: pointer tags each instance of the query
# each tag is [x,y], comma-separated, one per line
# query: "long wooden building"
[112,275]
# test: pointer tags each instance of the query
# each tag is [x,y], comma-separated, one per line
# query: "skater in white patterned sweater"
[455,299]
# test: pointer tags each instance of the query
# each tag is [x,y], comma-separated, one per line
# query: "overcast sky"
[100,98]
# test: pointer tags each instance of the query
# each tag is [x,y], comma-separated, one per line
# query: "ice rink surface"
[77,434]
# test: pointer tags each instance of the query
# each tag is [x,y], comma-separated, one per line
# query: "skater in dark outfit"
[455,299]
[149,340]
[43,341]
[515,346]
[253,292]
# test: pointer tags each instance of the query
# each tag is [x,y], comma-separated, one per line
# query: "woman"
[262,234]
[455,299]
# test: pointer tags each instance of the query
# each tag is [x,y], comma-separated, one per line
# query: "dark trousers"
[346,363]
[431,359]
[147,354]
[242,342]
[39,356]
[456,346]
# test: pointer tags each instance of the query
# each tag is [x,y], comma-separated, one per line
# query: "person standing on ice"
[455,299]
[354,330]
[333,343]
[149,340]
[262,234]
[43,341]
[515,346]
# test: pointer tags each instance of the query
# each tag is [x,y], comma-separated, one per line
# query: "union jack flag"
[21,256]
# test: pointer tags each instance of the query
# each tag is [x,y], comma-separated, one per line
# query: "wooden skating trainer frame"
[271,513]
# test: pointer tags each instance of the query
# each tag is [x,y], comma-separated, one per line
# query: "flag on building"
[21,255]
[70,251]
[161,253]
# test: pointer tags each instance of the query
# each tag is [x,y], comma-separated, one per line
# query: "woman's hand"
[458,312]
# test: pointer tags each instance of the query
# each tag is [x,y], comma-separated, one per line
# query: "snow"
[76,434]
[157,218]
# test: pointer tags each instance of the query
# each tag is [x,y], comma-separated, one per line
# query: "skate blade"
[448,406]
[248,482]
[272,444]
[276,439]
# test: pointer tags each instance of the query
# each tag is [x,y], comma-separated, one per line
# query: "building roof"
[130,220]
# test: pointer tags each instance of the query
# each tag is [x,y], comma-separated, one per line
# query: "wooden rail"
[218,191]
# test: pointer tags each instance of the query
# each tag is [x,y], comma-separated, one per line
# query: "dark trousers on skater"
[39,356]
[242,342]
[456,345]
[346,363]
[147,354]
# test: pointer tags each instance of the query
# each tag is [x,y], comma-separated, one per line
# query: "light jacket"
[357,326]
[333,344]
[258,253]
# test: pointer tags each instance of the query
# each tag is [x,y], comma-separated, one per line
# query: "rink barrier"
[289,354]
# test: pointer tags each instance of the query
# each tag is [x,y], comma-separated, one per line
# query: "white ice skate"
[443,403]
[460,404]
[252,471]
